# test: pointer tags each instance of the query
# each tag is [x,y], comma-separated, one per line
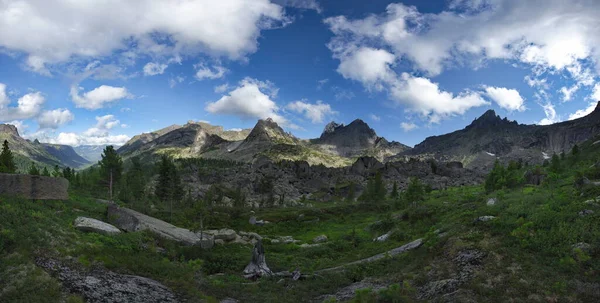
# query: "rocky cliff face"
[489,137]
[356,139]
[26,151]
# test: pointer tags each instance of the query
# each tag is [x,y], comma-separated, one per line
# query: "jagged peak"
[9,128]
[489,119]
[36,141]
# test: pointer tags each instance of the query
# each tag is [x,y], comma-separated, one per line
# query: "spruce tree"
[56,172]
[33,170]
[168,189]
[45,172]
[394,194]
[7,161]
[111,167]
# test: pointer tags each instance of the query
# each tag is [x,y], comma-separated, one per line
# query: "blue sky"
[96,74]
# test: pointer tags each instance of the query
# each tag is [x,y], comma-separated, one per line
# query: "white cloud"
[408,126]
[554,36]
[551,116]
[509,99]
[206,72]
[157,28]
[55,118]
[375,117]
[28,106]
[176,80]
[74,139]
[251,99]
[303,4]
[321,83]
[98,97]
[583,112]
[425,97]
[103,125]
[315,112]
[596,92]
[152,68]
[368,65]
[219,89]
[568,92]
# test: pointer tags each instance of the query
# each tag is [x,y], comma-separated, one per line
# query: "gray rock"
[384,237]
[585,212]
[492,201]
[34,187]
[250,235]
[485,218]
[93,225]
[224,234]
[320,239]
[131,221]
[306,245]
[229,300]
[585,247]
[102,286]
[349,292]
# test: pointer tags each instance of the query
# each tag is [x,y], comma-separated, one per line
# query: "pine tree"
[394,194]
[415,191]
[554,164]
[575,150]
[7,161]
[56,172]
[135,180]
[33,170]
[351,192]
[45,172]
[111,167]
[168,188]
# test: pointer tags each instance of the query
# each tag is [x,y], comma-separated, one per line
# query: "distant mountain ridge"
[489,137]
[65,154]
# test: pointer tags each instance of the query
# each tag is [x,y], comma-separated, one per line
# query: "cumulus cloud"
[367,65]
[98,97]
[74,139]
[583,112]
[152,68]
[250,99]
[315,112]
[425,97]
[103,125]
[509,99]
[28,106]
[408,126]
[176,80]
[206,72]
[375,117]
[55,118]
[40,30]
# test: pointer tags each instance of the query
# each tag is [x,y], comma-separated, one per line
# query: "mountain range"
[478,145]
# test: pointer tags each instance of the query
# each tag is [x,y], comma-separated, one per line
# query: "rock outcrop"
[34,187]
[131,221]
[93,225]
[103,286]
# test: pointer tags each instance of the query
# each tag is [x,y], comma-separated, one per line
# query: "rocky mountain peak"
[331,127]
[267,130]
[9,129]
[489,119]
[36,141]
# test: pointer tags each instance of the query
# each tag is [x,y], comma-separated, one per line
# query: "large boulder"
[34,187]
[93,225]
[224,234]
[103,286]
[131,220]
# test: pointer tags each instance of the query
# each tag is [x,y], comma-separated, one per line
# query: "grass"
[529,246]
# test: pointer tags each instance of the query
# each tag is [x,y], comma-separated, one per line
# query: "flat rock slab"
[103,286]
[396,251]
[93,225]
[131,221]
[34,187]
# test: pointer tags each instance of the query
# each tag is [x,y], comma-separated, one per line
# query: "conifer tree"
[7,161]
[45,172]
[111,167]
[33,170]
[168,189]
[56,172]
[394,194]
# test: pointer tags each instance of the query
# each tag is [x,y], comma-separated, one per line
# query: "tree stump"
[258,266]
